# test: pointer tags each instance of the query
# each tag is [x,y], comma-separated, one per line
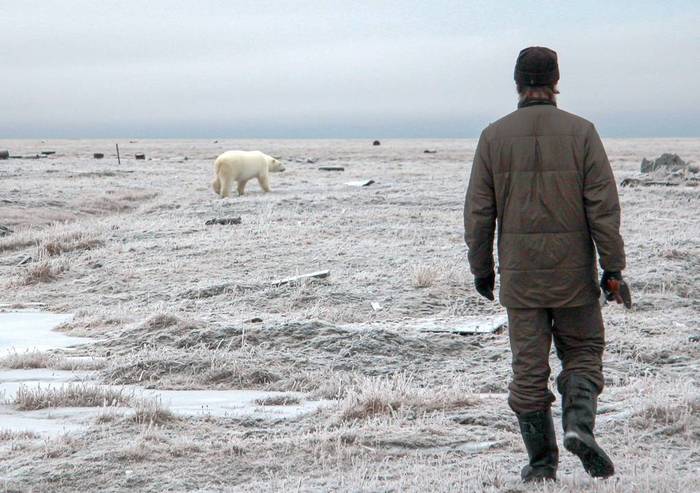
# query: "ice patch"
[25,331]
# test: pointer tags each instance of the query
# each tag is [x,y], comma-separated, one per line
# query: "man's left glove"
[615,288]
[484,285]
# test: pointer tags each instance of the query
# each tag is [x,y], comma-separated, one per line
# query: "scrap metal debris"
[465,325]
[362,183]
[322,274]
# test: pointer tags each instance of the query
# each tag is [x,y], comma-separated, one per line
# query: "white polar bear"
[241,166]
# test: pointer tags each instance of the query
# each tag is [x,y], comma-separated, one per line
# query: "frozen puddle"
[27,331]
[24,331]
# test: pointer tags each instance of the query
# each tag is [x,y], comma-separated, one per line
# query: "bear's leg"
[224,187]
[264,183]
[216,185]
[241,186]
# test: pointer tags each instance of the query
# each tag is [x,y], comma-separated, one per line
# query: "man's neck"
[534,97]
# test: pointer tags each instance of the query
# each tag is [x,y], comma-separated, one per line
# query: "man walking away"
[541,174]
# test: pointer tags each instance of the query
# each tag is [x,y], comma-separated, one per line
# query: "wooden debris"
[322,274]
[466,325]
[98,155]
[430,151]
[24,260]
[223,221]
[4,231]
[140,156]
[363,183]
[634,182]
[331,168]
[48,153]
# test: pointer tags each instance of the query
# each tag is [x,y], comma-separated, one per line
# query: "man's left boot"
[579,403]
[537,429]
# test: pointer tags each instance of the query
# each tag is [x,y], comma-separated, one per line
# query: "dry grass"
[424,276]
[68,395]
[71,243]
[27,360]
[279,400]
[39,359]
[151,412]
[21,238]
[43,271]
[196,367]
[399,394]
[10,435]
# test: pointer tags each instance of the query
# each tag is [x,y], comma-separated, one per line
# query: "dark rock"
[630,182]
[694,337]
[331,168]
[667,162]
[647,166]
[48,153]
[98,155]
[255,320]
[223,221]
[140,156]
[376,143]
[4,231]
[4,154]
[430,151]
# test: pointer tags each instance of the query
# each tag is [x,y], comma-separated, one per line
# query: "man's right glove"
[484,285]
[615,288]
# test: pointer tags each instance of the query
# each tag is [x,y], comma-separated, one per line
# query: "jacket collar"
[535,102]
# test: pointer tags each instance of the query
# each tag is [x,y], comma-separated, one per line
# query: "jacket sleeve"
[480,213]
[602,204]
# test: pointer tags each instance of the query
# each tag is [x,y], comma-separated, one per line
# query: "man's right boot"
[579,402]
[537,429]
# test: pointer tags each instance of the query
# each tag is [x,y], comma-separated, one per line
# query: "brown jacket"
[542,174]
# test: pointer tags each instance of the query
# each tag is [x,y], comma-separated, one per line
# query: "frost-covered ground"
[170,300]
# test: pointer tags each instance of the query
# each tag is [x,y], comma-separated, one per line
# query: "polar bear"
[241,166]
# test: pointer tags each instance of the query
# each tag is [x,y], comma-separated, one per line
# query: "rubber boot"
[537,429]
[579,403]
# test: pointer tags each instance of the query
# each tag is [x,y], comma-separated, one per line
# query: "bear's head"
[275,165]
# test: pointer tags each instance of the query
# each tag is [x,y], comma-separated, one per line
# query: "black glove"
[615,288]
[484,285]
[608,275]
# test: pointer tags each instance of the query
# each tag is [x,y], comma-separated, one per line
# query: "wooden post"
[119,161]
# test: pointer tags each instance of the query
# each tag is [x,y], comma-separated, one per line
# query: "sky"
[337,68]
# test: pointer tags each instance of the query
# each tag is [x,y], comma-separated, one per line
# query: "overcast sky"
[337,68]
